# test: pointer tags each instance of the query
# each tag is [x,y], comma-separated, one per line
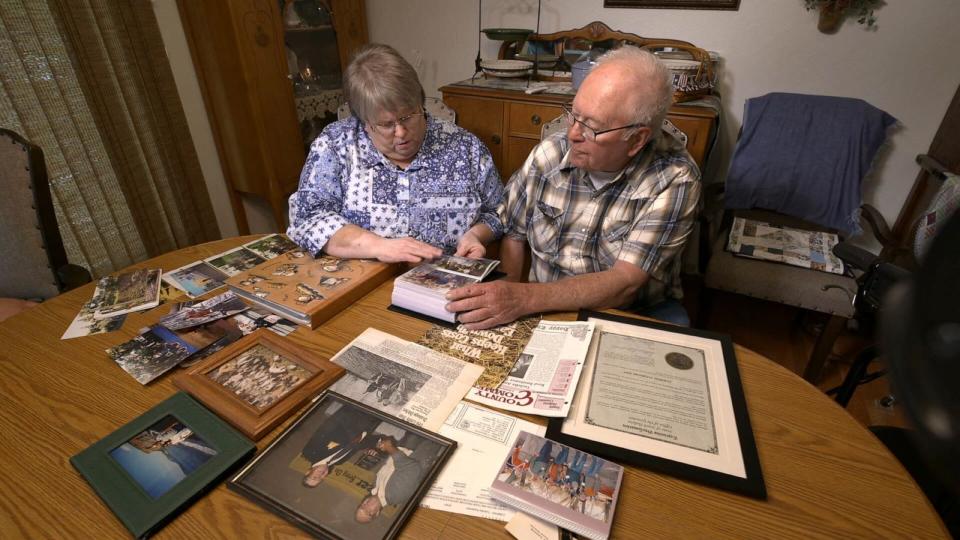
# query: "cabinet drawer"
[526,119]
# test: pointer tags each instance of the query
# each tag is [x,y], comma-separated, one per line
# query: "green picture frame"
[206,446]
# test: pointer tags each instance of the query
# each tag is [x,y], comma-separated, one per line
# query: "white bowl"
[506,68]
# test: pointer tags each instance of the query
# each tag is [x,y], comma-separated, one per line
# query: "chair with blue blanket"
[799,163]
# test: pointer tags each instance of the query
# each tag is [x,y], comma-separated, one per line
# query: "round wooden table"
[826,475]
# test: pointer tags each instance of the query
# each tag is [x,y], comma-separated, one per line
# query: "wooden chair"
[34,264]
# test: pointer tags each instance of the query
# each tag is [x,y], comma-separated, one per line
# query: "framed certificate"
[665,398]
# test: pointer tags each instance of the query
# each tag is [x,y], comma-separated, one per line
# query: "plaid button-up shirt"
[643,217]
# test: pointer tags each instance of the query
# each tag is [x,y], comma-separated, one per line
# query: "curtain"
[89,82]
[40,98]
[126,76]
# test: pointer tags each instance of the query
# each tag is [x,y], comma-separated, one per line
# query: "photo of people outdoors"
[271,246]
[431,278]
[345,469]
[260,376]
[561,475]
[162,455]
[462,265]
[377,381]
[235,261]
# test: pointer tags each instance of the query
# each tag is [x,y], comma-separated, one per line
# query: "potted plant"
[833,12]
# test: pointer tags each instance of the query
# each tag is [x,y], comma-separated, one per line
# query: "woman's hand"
[406,249]
[471,246]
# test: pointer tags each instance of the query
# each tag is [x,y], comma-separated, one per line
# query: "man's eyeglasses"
[387,128]
[588,132]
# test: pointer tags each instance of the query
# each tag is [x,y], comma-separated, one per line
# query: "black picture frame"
[277,478]
[727,5]
[752,485]
[116,481]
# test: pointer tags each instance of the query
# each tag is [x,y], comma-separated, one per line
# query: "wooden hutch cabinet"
[509,120]
[259,64]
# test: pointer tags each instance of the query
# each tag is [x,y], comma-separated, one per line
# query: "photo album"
[424,288]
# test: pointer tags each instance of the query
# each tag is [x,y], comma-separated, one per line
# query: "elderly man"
[605,207]
[398,477]
[392,182]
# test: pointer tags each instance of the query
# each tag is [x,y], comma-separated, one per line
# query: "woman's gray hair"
[649,72]
[379,79]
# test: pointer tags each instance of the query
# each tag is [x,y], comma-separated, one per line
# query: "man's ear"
[638,140]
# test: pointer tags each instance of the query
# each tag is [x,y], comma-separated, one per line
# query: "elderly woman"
[392,182]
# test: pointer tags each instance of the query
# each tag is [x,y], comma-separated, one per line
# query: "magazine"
[796,247]
[559,484]
[495,350]
[308,290]
[136,290]
[545,376]
[424,288]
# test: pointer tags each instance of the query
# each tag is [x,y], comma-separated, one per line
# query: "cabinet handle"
[535,120]
[495,139]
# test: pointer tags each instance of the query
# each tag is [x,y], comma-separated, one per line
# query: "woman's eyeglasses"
[388,128]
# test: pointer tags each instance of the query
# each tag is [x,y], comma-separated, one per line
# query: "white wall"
[906,67]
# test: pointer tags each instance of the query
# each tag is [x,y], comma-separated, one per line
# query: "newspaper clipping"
[403,379]
[545,376]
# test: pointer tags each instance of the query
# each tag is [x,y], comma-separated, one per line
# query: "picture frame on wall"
[345,470]
[258,381]
[731,5]
[156,465]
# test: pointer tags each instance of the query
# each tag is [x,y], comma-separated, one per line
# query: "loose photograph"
[345,471]
[188,314]
[196,278]
[163,455]
[131,291]
[158,350]
[260,376]
[271,246]
[235,261]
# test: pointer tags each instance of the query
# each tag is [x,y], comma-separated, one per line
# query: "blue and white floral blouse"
[451,185]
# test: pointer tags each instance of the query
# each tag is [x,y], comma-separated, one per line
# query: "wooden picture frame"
[731,5]
[217,381]
[349,440]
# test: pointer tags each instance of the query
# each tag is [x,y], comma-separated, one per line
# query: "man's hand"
[485,305]
[406,249]
[471,247]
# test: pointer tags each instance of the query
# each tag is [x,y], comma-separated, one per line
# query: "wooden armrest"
[878,226]
[932,166]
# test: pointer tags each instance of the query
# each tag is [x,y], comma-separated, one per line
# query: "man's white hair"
[652,76]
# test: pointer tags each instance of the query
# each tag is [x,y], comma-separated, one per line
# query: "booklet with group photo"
[559,484]
[424,288]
